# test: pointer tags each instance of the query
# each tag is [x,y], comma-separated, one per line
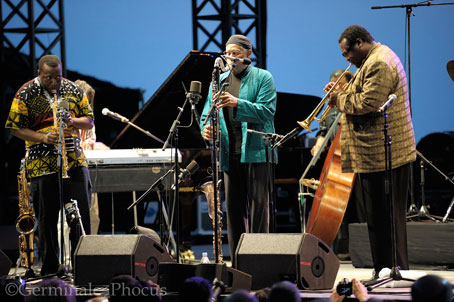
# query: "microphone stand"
[194,100]
[173,133]
[62,268]
[423,212]
[395,273]
[409,11]
[270,139]
[163,212]
[448,212]
[146,132]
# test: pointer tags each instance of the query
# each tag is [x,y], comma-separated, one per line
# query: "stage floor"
[346,270]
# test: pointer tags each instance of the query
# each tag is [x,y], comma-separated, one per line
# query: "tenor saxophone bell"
[26,223]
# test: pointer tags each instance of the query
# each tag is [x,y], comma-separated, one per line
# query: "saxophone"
[26,223]
[58,126]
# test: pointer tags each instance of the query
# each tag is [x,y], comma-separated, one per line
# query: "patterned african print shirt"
[32,108]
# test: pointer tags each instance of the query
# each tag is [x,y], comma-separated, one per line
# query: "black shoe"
[344,257]
[372,280]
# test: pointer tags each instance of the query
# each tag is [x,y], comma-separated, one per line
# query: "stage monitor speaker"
[99,258]
[173,275]
[299,258]
[5,264]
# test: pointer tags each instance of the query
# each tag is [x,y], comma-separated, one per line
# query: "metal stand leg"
[445,218]
[423,212]
[113,215]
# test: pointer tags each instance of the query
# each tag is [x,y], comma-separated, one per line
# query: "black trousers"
[372,186]
[246,192]
[46,202]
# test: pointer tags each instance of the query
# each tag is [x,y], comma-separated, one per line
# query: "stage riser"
[429,244]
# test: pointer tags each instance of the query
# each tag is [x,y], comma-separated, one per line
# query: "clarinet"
[217,217]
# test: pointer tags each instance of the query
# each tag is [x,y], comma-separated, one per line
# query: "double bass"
[331,197]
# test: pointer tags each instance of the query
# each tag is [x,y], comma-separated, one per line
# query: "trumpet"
[306,124]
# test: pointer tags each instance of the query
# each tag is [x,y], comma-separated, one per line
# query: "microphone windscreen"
[192,167]
[196,87]
[105,111]
[247,61]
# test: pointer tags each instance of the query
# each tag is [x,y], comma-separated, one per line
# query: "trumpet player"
[380,74]
[249,102]
[31,118]
[328,121]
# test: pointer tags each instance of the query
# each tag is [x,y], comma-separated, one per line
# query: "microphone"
[218,289]
[194,93]
[185,174]
[391,99]
[114,115]
[245,61]
[287,137]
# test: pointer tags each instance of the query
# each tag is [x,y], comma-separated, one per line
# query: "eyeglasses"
[234,53]
[345,54]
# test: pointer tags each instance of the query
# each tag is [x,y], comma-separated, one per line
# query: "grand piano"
[160,111]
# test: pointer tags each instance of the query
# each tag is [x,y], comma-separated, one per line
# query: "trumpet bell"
[305,124]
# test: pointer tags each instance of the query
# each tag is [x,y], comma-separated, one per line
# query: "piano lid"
[159,112]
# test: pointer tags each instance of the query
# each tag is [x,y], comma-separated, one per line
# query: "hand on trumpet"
[332,101]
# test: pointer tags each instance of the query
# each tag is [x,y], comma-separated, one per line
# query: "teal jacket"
[256,109]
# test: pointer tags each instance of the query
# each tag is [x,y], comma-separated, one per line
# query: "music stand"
[270,143]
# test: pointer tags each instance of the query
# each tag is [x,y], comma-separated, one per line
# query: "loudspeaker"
[99,258]
[5,264]
[172,275]
[299,258]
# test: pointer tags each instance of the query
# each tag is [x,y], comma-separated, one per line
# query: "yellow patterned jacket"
[380,75]
[32,108]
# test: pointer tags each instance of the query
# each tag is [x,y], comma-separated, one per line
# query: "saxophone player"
[249,102]
[31,118]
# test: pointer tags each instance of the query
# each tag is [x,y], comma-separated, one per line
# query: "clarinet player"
[248,102]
